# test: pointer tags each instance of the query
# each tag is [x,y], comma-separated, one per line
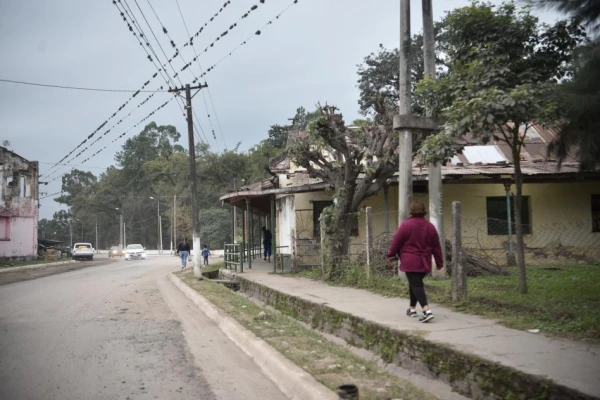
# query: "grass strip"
[562,300]
[329,363]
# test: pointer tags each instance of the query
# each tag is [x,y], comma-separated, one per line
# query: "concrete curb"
[35,266]
[292,380]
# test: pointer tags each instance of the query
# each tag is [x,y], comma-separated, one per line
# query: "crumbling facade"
[18,206]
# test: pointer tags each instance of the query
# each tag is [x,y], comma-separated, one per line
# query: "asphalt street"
[119,330]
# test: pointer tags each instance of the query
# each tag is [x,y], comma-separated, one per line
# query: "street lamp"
[160,245]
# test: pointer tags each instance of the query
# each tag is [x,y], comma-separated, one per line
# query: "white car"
[83,251]
[135,252]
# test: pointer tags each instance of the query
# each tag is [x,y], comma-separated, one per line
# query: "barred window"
[318,207]
[497,221]
[596,213]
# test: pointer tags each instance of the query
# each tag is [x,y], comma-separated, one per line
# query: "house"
[18,206]
[561,207]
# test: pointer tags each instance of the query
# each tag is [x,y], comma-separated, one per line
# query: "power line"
[257,33]
[202,71]
[118,137]
[80,88]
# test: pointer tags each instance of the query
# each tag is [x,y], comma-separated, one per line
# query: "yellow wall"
[560,216]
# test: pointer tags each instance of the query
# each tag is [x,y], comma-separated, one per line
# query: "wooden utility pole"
[436,211]
[192,150]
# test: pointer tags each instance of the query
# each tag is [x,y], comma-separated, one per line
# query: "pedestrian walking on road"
[267,243]
[415,242]
[205,254]
[183,250]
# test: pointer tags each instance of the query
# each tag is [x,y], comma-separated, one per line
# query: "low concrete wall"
[466,373]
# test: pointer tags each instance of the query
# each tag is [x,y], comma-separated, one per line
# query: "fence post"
[242,257]
[369,239]
[459,278]
[322,249]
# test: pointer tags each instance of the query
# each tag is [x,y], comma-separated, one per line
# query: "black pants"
[416,288]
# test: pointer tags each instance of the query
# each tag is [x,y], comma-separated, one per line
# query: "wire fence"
[545,243]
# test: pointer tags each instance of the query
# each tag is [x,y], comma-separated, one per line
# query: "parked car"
[135,252]
[116,251]
[83,251]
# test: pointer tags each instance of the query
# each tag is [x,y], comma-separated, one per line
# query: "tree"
[355,162]
[580,98]
[6,143]
[501,83]
[278,136]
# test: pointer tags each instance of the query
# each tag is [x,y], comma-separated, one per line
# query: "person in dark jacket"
[415,242]
[267,242]
[183,249]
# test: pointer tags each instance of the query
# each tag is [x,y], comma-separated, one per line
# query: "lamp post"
[160,245]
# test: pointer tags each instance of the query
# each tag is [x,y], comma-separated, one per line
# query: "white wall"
[286,224]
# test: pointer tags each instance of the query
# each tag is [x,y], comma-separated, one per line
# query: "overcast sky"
[307,56]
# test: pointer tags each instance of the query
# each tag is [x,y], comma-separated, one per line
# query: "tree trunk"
[518,219]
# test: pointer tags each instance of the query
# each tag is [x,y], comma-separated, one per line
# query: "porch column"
[273,234]
[243,232]
[248,227]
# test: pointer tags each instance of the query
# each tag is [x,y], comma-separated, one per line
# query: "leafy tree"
[356,162]
[278,136]
[580,98]
[76,185]
[501,82]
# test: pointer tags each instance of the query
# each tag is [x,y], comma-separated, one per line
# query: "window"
[4,228]
[596,213]
[497,223]
[318,207]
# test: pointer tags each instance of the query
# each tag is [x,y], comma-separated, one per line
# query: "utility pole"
[405,163]
[192,150]
[97,235]
[124,235]
[436,213]
[174,227]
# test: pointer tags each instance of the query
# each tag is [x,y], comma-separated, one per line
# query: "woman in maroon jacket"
[415,241]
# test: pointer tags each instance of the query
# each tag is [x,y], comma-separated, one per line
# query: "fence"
[234,256]
[487,239]
[544,243]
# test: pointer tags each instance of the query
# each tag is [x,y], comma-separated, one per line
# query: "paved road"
[118,331]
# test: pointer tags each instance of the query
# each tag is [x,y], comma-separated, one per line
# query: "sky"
[309,55]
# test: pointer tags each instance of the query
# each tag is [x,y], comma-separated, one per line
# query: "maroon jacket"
[416,241]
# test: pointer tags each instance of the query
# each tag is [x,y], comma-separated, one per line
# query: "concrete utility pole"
[174,227]
[405,192]
[436,211]
[192,150]
[97,236]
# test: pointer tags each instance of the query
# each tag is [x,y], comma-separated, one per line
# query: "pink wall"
[23,239]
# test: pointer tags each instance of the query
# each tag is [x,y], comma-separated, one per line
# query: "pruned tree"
[355,162]
[500,86]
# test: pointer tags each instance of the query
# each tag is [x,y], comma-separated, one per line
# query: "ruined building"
[18,206]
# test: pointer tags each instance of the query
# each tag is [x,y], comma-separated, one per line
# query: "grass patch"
[562,301]
[330,363]
[23,263]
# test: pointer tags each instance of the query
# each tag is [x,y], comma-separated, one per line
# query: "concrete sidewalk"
[572,364]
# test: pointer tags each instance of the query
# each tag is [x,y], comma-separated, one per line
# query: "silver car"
[135,252]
